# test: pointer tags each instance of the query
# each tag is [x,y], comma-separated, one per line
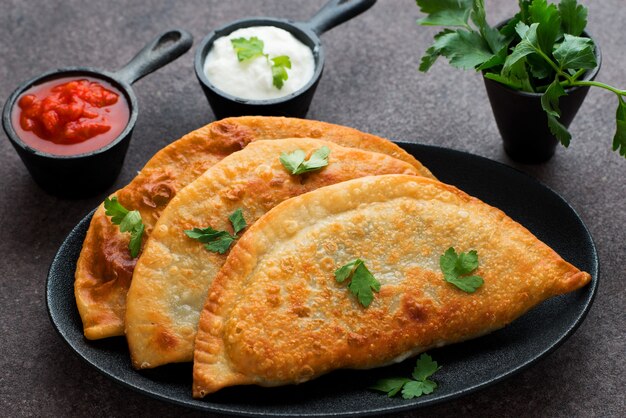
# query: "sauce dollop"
[69,116]
[252,79]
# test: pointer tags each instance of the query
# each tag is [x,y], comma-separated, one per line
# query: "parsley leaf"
[362,283]
[115,210]
[455,265]
[619,140]
[528,44]
[573,17]
[135,239]
[128,221]
[296,164]
[219,241]
[432,53]
[411,388]
[445,12]
[494,38]
[548,19]
[279,70]
[252,48]
[248,48]
[221,244]
[550,103]
[392,385]
[237,221]
[576,53]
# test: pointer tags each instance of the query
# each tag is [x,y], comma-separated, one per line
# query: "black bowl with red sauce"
[69,150]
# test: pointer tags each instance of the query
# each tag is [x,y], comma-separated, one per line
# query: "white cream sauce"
[252,79]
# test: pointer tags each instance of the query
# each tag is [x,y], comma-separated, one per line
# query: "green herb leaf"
[362,281]
[497,59]
[435,51]
[391,385]
[528,44]
[548,18]
[114,209]
[559,130]
[573,17]
[237,220]
[219,241]
[550,99]
[445,12]
[248,48]
[411,388]
[576,53]
[135,240]
[619,140]
[494,38]
[424,367]
[296,164]
[279,70]
[454,266]
[221,244]
[465,49]
[293,160]
[128,221]
[205,235]
[415,389]
[131,221]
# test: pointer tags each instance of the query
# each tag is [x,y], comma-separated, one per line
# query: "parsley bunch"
[540,50]
[411,388]
[129,221]
[253,47]
[219,241]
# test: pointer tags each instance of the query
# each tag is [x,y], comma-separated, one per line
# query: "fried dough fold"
[105,268]
[173,274]
[275,314]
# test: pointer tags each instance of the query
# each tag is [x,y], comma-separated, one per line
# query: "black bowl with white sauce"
[237,88]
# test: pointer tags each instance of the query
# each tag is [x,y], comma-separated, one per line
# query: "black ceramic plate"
[467,367]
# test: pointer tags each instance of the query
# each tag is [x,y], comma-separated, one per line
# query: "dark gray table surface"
[371,83]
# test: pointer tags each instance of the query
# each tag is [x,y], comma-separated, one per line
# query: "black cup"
[88,174]
[295,104]
[522,122]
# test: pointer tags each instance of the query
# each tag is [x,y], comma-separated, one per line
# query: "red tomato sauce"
[69,115]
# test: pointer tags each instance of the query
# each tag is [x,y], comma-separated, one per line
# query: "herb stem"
[598,84]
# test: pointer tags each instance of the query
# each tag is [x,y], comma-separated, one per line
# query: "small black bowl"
[295,104]
[87,174]
[522,122]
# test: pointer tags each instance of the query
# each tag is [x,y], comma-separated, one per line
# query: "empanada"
[276,315]
[105,268]
[174,272]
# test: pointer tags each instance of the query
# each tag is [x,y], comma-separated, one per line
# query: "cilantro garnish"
[540,50]
[219,241]
[456,269]
[362,282]
[248,48]
[253,47]
[411,388]
[129,221]
[295,162]
[279,70]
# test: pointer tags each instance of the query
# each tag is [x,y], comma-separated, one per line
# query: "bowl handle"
[163,49]
[335,12]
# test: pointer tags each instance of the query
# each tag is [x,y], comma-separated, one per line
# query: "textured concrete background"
[371,83]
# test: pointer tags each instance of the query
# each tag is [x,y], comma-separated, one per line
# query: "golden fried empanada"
[174,272]
[105,268]
[276,315]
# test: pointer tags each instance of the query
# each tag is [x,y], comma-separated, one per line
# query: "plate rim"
[203,405]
